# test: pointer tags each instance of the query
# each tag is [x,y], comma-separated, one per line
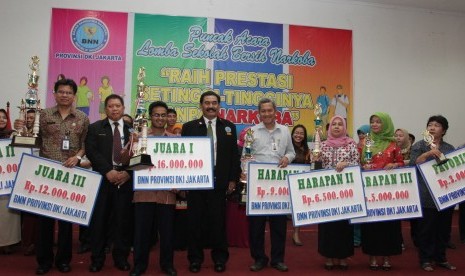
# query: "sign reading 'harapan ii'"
[182,163]
[9,161]
[45,187]
[326,195]
[268,190]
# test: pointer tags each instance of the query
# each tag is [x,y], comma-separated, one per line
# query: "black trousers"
[433,234]
[206,212]
[145,213]
[44,247]
[278,226]
[462,221]
[117,203]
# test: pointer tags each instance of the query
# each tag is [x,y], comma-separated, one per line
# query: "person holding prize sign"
[433,229]
[381,152]
[335,239]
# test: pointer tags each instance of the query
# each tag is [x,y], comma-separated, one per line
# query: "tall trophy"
[316,152]
[368,153]
[246,158]
[29,137]
[429,140]
[140,159]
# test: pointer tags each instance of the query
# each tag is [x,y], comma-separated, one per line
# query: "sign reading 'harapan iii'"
[268,190]
[45,187]
[182,163]
[446,182]
[326,195]
[390,195]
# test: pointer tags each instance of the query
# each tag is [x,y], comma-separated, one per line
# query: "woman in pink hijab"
[336,238]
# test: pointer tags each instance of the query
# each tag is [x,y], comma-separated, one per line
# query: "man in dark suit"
[206,208]
[104,144]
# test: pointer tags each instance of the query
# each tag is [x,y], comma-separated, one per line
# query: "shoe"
[386,266]
[41,270]
[257,266]
[83,248]
[427,267]
[6,250]
[446,265]
[123,266]
[194,267]
[64,268]
[170,271]
[451,245]
[220,267]
[329,266]
[280,267]
[296,243]
[374,266]
[95,267]
[30,250]
[343,266]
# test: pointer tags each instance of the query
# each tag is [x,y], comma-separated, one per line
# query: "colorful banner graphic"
[9,163]
[45,187]
[243,61]
[326,195]
[268,190]
[183,163]
[446,182]
[90,48]
[390,195]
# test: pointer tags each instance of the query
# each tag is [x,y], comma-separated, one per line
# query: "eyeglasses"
[156,115]
[67,93]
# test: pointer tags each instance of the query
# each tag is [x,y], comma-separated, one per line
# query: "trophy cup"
[24,137]
[368,153]
[246,158]
[429,140]
[317,137]
[140,159]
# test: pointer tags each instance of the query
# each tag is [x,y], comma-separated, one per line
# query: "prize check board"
[326,195]
[390,195]
[183,163]
[446,182]
[267,188]
[9,163]
[45,187]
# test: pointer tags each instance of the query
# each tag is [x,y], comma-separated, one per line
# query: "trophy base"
[140,162]
[25,142]
[442,160]
[243,200]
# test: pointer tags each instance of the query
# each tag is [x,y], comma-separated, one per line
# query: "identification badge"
[274,146]
[65,143]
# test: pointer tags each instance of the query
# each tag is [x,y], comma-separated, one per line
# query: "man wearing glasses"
[63,130]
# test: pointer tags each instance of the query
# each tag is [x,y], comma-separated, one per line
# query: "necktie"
[116,144]
[210,129]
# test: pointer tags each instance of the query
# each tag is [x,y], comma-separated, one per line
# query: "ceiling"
[449,6]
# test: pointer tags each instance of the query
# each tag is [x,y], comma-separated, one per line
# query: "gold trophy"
[429,140]
[246,158]
[368,153]
[140,159]
[317,137]
[24,137]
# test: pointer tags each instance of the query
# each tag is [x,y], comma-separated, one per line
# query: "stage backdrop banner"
[446,182]
[182,163]
[9,162]
[45,187]
[90,48]
[390,195]
[326,195]
[268,189]
[243,61]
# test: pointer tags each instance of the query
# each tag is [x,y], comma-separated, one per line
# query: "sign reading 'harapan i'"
[390,195]
[326,195]
[46,188]
[268,190]
[182,163]
[9,161]
[446,182]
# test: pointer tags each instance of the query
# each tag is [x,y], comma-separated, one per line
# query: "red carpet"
[302,260]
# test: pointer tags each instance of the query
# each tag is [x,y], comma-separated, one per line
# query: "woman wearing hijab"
[382,238]
[10,229]
[335,239]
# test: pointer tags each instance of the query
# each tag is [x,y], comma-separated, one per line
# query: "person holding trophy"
[335,239]
[272,144]
[434,228]
[381,152]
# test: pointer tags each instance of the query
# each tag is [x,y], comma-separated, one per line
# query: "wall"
[407,62]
